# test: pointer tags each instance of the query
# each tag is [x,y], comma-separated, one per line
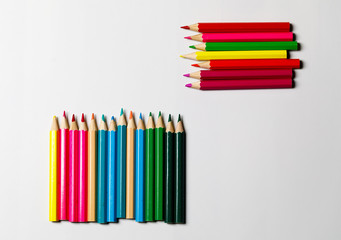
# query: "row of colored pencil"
[243,55]
[124,171]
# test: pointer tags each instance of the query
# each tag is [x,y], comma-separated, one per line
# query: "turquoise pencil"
[111,177]
[121,165]
[101,172]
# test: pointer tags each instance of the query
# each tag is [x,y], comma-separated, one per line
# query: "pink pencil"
[83,159]
[73,170]
[62,169]
[243,37]
[240,74]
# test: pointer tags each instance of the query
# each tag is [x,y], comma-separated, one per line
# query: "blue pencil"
[101,172]
[121,165]
[139,171]
[111,177]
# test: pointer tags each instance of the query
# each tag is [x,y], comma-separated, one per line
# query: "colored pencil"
[236,55]
[240,74]
[121,165]
[245,46]
[83,160]
[73,170]
[111,173]
[249,64]
[150,169]
[170,173]
[101,172]
[92,174]
[239,27]
[179,173]
[140,172]
[243,37]
[63,164]
[159,135]
[131,128]
[242,84]
[53,200]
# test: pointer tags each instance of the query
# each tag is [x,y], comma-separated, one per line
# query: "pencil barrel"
[82,187]
[92,175]
[169,178]
[179,177]
[101,177]
[248,37]
[121,170]
[73,175]
[111,177]
[150,176]
[53,196]
[215,55]
[159,139]
[140,176]
[249,46]
[244,27]
[63,174]
[130,173]
[254,64]
[245,74]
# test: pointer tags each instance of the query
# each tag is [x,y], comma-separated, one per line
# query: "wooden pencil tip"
[82,120]
[103,118]
[195,65]
[185,27]
[179,118]
[73,117]
[121,112]
[92,116]
[169,118]
[131,115]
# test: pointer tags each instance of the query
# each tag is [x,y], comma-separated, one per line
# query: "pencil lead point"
[103,118]
[131,115]
[64,114]
[195,65]
[169,118]
[112,118]
[185,27]
[73,117]
[182,56]
[188,85]
[159,113]
[121,112]
[189,37]
[82,120]
[193,47]
[186,75]
[141,116]
[92,116]
[150,114]
[179,118]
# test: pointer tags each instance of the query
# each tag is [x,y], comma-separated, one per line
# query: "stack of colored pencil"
[242,55]
[104,174]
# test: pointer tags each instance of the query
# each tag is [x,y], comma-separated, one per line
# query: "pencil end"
[121,112]
[159,113]
[82,120]
[169,118]
[131,115]
[186,75]
[192,47]
[150,114]
[195,65]
[73,117]
[103,118]
[188,37]
[64,114]
[112,118]
[185,27]
[140,116]
[179,118]
[189,85]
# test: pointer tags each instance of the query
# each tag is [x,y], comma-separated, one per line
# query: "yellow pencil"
[211,55]
[131,128]
[53,170]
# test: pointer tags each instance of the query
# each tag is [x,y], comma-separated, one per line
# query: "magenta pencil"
[243,37]
[242,84]
[83,159]
[63,169]
[73,170]
[240,74]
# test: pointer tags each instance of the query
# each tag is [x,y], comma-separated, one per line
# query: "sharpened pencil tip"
[73,117]
[140,116]
[131,115]
[82,120]
[193,47]
[189,37]
[64,114]
[150,114]
[182,56]
[169,118]
[159,113]
[195,65]
[186,75]
[179,118]
[188,85]
[92,116]
[185,27]
[121,112]
[112,118]
[103,118]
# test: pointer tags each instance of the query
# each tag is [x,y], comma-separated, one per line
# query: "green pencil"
[245,46]
[179,173]
[169,173]
[159,134]
[150,170]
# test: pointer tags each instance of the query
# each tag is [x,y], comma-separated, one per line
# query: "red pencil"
[249,64]
[239,27]
[240,74]
[242,84]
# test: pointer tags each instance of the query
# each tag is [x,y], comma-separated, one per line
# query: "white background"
[261,164]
